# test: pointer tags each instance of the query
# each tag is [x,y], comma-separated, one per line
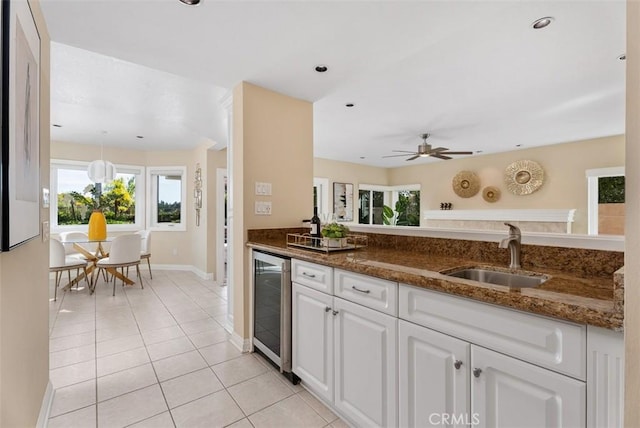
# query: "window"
[167,197]
[75,196]
[391,205]
[606,189]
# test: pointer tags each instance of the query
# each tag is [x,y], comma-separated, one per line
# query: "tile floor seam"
[153,367]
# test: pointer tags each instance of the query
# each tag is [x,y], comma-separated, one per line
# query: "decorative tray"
[327,245]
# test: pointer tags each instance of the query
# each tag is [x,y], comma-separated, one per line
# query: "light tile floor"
[159,357]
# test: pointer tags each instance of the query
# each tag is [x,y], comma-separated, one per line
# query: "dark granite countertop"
[564,296]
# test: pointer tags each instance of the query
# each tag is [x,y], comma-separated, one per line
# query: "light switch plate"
[263,189]
[263,208]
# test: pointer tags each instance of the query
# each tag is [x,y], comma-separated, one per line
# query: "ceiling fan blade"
[457,153]
[397,156]
[413,157]
[439,149]
[440,156]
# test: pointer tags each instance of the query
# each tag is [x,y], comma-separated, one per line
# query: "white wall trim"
[244,345]
[604,242]
[550,215]
[189,268]
[45,408]
[592,194]
[221,255]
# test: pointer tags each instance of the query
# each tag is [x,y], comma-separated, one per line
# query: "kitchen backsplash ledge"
[577,261]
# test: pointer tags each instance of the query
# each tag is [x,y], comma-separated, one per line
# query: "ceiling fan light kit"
[425,150]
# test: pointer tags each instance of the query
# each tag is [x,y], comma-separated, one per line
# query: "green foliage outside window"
[116,202]
[611,190]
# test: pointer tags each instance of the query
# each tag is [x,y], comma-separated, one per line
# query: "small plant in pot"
[335,235]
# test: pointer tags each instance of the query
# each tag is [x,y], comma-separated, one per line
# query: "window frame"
[152,190]
[390,196]
[593,194]
[139,197]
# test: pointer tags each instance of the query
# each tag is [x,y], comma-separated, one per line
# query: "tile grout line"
[153,367]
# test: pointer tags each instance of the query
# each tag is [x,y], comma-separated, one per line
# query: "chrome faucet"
[513,243]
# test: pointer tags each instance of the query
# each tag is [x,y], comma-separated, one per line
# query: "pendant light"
[101,171]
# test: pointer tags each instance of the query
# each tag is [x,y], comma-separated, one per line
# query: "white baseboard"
[189,268]
[45,408]
[244,345]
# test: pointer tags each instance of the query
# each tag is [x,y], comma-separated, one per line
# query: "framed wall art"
[20,161]
[343,201]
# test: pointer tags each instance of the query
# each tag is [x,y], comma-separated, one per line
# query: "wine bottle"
[315,228]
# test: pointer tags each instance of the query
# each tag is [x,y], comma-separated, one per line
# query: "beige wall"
[564,165]
[272,142]
[191,245]
[632,225]
[24,293]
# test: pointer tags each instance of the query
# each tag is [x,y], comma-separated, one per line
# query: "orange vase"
[97,226]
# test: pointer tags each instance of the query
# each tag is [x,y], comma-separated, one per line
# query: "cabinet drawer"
[375,293]
[312,275]
[554,344]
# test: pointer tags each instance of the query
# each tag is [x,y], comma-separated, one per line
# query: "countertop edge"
[583,311]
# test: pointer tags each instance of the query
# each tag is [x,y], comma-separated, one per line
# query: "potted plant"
[335,235]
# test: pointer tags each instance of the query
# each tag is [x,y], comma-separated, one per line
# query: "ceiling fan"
[425,150]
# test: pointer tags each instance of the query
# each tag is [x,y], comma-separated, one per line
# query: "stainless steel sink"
[513,280]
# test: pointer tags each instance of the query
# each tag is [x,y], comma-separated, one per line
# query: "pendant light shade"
[101,171]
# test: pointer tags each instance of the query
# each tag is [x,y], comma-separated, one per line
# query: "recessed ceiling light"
[139,136]
[321,68]
[349,105]
[541,23]
[478,151]
[56,125]
[190,2]
[622,57]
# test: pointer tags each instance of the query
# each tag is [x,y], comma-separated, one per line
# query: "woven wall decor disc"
[491,193]
[523,177]
[466,184]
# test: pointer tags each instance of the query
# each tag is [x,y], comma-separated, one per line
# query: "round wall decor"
[491,193]
[523,177]
[466,184]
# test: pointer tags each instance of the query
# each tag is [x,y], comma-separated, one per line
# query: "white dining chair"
[60,262]
[68,238]
[145,247]
[124,253]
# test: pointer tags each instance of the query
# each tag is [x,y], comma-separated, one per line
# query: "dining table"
[92,257]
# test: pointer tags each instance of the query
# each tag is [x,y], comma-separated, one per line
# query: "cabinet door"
[511,393]
[434,378]
[312,337]
[365,365]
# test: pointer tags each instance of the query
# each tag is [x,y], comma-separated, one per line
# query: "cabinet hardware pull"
[335,313]
[457,364]
[310,275]
[361,291]
[476,372]
[327,309]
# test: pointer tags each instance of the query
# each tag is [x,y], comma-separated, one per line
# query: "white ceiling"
[474,74]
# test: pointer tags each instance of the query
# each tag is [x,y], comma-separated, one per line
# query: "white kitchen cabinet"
[365,365]
[605,385]
[312,329]
[434,377]
[507,392]
[344,352]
